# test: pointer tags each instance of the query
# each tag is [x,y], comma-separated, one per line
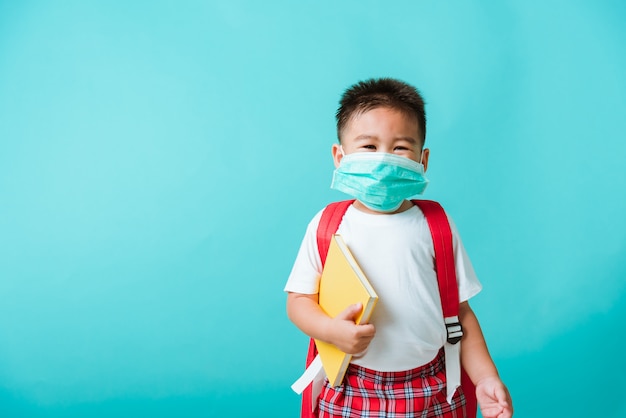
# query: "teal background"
[159,162]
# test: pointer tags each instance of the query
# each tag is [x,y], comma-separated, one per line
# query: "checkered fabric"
[368,393]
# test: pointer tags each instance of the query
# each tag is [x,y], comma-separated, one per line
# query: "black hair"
[381,92]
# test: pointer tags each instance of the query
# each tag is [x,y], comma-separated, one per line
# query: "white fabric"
[314,373]
[453,369]
[396,254]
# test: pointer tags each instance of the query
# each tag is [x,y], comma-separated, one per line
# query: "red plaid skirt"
[368,393]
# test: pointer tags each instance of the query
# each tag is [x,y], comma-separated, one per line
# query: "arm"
[304,311]
[493,397]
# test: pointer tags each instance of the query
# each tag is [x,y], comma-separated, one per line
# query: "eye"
[401,148]
[369,147]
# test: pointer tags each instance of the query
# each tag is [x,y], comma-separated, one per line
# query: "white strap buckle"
[454,328]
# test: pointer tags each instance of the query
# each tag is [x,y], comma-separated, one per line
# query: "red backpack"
[446,278]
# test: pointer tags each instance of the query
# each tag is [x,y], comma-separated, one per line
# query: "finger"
[351,312]
[367,330]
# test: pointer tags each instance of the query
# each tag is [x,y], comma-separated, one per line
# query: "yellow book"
[341,285]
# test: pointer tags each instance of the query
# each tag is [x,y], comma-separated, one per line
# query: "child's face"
[382,130]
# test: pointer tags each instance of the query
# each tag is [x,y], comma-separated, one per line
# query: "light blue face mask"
[378,180]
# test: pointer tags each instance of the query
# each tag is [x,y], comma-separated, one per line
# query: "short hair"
[381,92]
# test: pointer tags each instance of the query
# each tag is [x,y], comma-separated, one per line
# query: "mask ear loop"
[341,150]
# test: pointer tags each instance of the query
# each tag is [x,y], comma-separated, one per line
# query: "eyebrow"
[365,137]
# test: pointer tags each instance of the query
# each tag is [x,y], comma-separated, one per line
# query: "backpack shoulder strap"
[448,288]
[329,223]
[444,255]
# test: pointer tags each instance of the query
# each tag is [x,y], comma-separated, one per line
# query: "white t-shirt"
[396,254]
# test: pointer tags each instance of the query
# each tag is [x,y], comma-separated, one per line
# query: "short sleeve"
[469,285]
[307,269]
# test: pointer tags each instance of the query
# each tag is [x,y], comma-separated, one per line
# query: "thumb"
[351,312]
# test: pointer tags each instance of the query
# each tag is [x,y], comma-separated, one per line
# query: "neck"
[406,205]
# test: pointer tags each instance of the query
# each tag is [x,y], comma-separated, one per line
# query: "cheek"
[411,155]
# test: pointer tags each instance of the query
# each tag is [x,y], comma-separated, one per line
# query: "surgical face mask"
[378,180]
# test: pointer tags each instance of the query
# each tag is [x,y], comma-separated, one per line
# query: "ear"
[425,154]
[337,155]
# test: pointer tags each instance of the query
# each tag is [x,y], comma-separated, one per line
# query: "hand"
[347,335]
[494,398]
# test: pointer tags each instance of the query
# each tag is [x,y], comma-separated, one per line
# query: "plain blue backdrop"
[159,162]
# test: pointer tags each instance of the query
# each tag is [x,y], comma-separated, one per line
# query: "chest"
[395,256]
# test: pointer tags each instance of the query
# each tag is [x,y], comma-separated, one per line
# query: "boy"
[380,161]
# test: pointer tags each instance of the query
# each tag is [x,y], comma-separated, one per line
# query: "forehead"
[385,121]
